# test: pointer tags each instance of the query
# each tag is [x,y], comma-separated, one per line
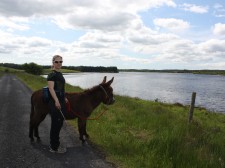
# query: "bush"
[6,70]
[33,68]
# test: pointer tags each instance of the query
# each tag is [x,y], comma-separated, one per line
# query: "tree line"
[39,69]
[203,71]
[93,69]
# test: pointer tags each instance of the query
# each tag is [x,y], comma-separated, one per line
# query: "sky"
[128,34]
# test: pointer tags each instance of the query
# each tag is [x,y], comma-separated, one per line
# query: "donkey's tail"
[31,118]
[32,106]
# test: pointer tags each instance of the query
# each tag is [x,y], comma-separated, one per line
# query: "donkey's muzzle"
[112,100]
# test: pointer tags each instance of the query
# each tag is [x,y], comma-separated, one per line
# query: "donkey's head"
[108,91]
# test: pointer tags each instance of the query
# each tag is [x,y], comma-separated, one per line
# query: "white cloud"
[41,7]
[213,46]
[95,19]
[218,6]
[28,8]
[110,39]
[133,6]
[219,29]
[20,45]
[213,65]
[172,48]
[171,24]
[139,60]
[12,24]
[194,8]
[145,37]
[219,10]
[87,14]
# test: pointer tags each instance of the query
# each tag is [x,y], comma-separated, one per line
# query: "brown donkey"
[82,104]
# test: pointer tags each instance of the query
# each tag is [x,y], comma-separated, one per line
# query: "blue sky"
[162,34]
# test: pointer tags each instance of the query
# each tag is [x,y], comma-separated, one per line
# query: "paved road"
[16,150]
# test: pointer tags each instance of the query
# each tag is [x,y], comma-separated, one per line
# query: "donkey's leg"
[36,133]
[81,129]
[37,121]
[85,130]
[31,132]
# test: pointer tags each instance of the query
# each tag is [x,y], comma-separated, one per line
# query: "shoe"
[59,150]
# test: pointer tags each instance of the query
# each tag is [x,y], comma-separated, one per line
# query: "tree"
[33,68]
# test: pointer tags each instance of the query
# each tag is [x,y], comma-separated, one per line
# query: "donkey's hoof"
[84,143]
[38,139]
[82,140]
[87,136]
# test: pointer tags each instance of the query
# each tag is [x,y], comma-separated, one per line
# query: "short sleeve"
[51,76]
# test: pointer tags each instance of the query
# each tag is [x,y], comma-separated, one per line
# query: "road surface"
[16,150]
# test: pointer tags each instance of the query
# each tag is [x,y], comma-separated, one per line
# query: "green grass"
[6,70]
[136,133]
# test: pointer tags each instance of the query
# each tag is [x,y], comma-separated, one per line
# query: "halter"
[107,96]
[104,90]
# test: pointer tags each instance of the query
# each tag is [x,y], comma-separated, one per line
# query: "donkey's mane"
[90,90]
[86,91]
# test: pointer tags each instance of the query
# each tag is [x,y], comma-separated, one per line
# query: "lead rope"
[63,117]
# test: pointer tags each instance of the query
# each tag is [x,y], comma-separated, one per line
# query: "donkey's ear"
[104,80]
[110,82]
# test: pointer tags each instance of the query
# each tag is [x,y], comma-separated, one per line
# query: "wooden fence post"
[191,111]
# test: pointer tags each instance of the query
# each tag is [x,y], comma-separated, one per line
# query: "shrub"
[33,68]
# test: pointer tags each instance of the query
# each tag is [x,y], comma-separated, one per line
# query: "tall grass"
[140,133]
[137,133]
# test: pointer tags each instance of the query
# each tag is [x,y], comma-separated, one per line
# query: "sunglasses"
[58,62]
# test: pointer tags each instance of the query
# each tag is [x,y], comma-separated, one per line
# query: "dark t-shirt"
[59,81]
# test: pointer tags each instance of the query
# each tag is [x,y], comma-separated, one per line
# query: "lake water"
[166,87]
